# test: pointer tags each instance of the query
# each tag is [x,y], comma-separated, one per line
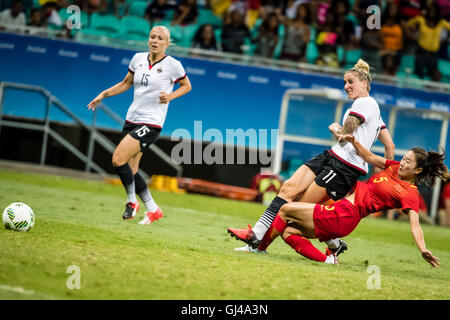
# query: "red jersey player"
[394,187]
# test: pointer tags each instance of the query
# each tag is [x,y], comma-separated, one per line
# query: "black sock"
[126,176]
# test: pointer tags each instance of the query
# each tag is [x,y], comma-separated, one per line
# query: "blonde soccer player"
[153,75]
[333,173]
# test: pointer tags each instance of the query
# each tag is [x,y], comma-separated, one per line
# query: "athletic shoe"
[332,259]
[248,248]
[152,216]
[342,247]
[246,235]
[130,210]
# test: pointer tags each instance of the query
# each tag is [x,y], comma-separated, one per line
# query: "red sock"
[305,248]
[276,228]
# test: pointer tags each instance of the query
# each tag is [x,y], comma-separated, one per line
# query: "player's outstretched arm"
[364,153]
[389,147]
[118,88]
[417,234]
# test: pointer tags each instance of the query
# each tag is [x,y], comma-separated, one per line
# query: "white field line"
[25,291]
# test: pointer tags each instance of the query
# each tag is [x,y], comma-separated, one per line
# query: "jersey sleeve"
[382,124]
[410,200]
[132,64]
[389,163]
[178,72]
[362,109]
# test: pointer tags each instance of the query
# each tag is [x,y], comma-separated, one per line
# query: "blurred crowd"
[323,32]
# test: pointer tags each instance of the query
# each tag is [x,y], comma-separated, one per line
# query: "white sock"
[259,230]
[149,203]
[131,195]
[333,243]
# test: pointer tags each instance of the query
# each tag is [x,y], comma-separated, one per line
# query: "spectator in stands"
[297,34]
[51,15]
[290,9]
[430,28]
[269,6]
[371,42]
[36,18]
[408,9]
[326,41]
[13,16]
[234,32]
[267,39]
[157,10]
[344,27]
[121,8]
[186,13]
[392,36]
[205,38]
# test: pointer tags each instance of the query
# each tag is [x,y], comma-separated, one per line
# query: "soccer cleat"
[331,259]
[130,210]
[246,235]
[248,248]
[151,216]
[337,251]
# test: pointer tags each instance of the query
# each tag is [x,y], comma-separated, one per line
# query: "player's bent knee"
[287,191]
[117,160]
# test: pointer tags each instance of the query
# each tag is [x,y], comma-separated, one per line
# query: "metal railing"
[95,136]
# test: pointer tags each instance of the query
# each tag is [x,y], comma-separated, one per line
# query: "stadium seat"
[279,46]
[84,18]
[205,16]
[187,35]
[444,68]
[135,27]
[351,57]
[108,23]
[407,62]
[312,52]
[137,8]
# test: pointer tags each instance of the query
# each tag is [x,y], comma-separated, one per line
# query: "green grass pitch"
[189,255]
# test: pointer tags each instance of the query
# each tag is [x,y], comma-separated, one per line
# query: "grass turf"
[189,255]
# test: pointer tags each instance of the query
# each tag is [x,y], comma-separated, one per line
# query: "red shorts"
[336,220]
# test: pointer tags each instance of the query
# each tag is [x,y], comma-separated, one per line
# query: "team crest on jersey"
[159,70]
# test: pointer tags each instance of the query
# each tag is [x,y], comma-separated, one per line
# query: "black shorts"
[146,134]
[334,175]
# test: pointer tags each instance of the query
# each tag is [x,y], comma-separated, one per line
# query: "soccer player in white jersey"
[333,173]
[153,75]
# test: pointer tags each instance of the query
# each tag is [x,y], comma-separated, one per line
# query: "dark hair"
[432,164]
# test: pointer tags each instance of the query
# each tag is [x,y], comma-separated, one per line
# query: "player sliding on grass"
[393,188]
[333,173]
[153,75]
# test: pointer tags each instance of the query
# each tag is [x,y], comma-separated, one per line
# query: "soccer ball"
[18,216]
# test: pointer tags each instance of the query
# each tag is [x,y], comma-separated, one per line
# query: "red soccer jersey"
[385,190]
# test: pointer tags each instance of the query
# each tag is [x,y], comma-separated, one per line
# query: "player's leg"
[297,241]
[299,213]
[297,184]
[127,149]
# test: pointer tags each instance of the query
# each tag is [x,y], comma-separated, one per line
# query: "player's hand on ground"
[164,97]
[94,103]
[428,256]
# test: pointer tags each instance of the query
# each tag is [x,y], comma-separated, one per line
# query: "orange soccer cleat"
[152,216]
[245,235]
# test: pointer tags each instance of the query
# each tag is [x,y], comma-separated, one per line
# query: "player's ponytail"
[432,164]
[362,68]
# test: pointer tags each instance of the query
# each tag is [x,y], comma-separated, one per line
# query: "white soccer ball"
[18,216]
